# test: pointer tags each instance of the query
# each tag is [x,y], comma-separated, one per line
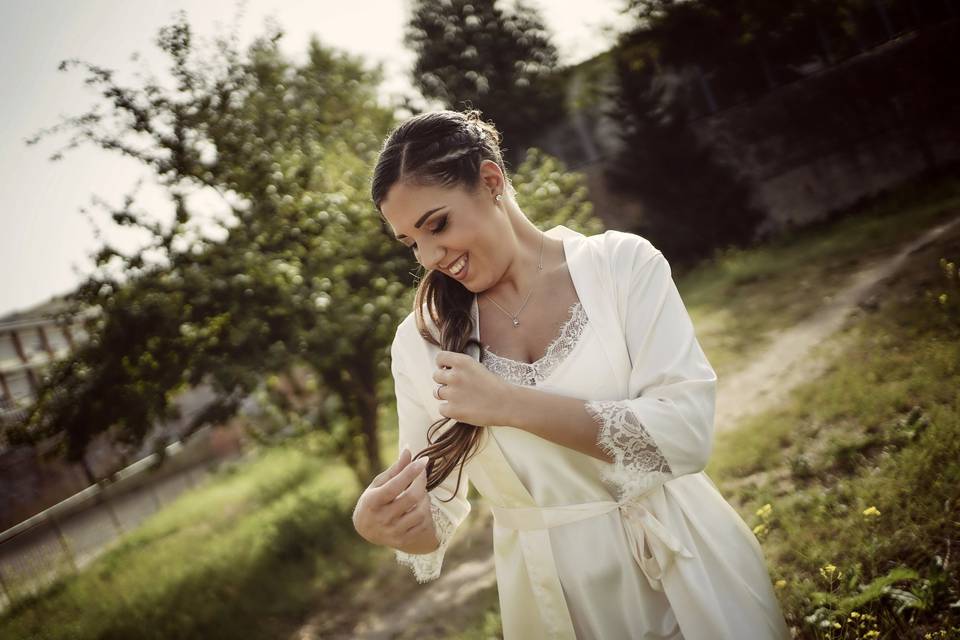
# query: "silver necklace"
[516,317]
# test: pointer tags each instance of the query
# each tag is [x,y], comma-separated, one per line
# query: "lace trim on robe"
[638,464]
[530,373]
[426,566]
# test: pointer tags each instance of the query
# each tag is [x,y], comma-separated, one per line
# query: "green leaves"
[551,195]
[296,302]
[501,62]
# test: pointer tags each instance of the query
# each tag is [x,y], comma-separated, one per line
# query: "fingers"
[402,461]
[413,519]
[443,375]
[451,358]
[389,490]
[409,498]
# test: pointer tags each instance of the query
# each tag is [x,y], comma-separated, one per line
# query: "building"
[30,341]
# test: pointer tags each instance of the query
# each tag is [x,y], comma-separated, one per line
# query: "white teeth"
[458,265]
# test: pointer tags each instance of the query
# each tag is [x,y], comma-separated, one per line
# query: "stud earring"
[499,197]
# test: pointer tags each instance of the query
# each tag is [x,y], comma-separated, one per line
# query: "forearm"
[560,419]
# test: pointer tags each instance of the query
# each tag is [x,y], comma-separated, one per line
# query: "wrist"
[511,406]
[426,541]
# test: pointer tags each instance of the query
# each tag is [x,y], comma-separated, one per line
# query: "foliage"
[946,297]
[692,202]
[501,62]
[247,554]
[686,60]
[550,195]
[304,273]
[747,46]
[297,303]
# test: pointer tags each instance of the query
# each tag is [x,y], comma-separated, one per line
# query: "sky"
[49,222]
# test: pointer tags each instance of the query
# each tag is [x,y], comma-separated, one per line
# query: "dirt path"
[791,357]
[391,603]
[453,589]
[789,360]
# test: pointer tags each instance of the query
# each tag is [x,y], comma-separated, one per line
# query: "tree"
[692,202]
[305,278]
[747,46]
[475,54]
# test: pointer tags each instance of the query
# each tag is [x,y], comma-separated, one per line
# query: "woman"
[560,374]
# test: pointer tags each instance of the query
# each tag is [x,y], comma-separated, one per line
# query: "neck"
[522,274]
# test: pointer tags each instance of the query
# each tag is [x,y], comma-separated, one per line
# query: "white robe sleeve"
[413,423]
[665,428]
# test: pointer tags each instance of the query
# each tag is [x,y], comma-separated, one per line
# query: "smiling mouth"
[457,266]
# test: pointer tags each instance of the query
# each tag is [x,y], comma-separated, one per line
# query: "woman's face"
[442,225]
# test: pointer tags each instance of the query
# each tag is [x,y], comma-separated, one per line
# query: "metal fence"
[69,535]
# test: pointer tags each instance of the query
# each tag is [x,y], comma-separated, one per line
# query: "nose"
[431,257]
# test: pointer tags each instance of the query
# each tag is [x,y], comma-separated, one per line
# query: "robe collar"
[592,280]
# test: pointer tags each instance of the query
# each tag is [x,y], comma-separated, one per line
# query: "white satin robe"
[644,547]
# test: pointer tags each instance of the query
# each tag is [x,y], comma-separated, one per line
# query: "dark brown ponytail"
[441,148]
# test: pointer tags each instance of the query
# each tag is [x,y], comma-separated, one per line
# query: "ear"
[491,177]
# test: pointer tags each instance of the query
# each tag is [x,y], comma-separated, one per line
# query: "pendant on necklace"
[516,322]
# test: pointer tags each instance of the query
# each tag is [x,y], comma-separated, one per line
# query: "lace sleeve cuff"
[426,566]
[638,464]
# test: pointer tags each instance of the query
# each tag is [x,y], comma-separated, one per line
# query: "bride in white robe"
[643,547]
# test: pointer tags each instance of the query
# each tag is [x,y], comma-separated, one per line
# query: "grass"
[740,296]
[853,484]
[245,555]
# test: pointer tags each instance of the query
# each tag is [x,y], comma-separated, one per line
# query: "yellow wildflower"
[765,510]
[760,529]
[871,511]
[828,570]
[780,584]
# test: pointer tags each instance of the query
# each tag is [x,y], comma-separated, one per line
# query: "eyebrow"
[422,219]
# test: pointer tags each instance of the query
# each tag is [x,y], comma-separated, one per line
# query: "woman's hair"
[441,148]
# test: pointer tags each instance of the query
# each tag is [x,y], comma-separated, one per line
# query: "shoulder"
[407,340]
[624,252]
[403,338]
[407,327]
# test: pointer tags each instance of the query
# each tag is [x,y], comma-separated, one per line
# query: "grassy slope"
[881,429]
[740,295]
[243,556]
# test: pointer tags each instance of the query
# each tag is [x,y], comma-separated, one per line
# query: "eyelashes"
[440,227]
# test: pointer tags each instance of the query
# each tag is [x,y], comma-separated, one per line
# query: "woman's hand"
[471,393]
[394,510]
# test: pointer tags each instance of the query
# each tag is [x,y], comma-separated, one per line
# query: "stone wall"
[807,148]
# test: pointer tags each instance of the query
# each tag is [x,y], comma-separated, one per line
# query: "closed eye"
[437,229]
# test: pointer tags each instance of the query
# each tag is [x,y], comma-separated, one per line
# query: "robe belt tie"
[639,524]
